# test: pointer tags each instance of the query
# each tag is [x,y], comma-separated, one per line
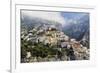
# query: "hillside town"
[49,43]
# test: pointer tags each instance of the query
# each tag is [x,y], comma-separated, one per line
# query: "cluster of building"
[47,35]
[52,36]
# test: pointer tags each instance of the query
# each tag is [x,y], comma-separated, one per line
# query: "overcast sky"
[64,18]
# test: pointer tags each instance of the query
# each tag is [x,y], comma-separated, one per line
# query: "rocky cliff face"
[79,29]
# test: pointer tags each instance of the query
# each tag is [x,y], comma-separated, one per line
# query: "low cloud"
[54,16]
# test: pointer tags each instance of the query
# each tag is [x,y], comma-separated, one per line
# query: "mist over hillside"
[74,30]
[29,23]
